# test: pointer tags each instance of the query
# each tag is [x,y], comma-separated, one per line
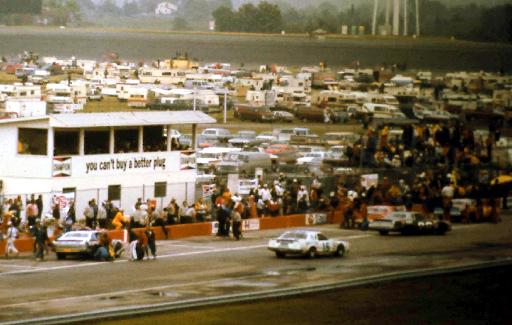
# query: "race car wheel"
[61,256]
[280,254]
[311,253]
[340,251]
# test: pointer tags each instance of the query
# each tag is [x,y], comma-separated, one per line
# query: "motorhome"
[73,92]
[25,91]
[381,111]
[334,98]
[244,162]
[163,76]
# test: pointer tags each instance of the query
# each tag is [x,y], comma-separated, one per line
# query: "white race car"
[308,243]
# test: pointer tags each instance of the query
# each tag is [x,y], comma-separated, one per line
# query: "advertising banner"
[369,180]
[316,219]
[215,227]
[208,190]
[61,167]
[245,185]
[251,224]
[118,164]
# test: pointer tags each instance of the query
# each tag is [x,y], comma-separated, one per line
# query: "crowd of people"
[448,156]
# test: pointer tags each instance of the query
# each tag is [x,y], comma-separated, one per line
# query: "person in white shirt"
[265,193]
[279,189]
[11,235]
[303,192]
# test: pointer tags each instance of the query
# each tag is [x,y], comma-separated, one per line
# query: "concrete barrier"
[190,230]
[273,222]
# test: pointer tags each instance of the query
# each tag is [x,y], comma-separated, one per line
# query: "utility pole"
[405,17]
[225,105]
[417,17]
[374,21]
[195,98]
[396,17]
[388,8]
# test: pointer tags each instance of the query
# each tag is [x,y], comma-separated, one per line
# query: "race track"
[210,269]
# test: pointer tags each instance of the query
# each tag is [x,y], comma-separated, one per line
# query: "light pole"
[225,105]
[195,88]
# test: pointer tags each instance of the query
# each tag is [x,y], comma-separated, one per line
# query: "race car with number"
[308,243]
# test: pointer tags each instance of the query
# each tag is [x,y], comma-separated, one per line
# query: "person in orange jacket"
[119,220]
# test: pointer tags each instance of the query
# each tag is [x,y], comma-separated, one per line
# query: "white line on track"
[15,265]
[188,246]
[212,251]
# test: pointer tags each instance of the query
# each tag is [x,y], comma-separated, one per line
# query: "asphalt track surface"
[476,297]
[210,268]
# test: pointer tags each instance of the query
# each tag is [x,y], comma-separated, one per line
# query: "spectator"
[201,209]
[11,236]
[151,242]
[32,212]
[39,203]
[236,219]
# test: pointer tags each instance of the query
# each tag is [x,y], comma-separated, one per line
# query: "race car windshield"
[294,235]
[75,235]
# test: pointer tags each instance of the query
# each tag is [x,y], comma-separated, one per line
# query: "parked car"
[267,137]
[285,134]
[340,138]
[308,157]
[308,243]
[208,158]
[243,138]
[283,116]
[216,134]
[251,113]
[79,242]
[410,222]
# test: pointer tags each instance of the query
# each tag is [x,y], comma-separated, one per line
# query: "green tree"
[224,19]
[269,18]
[248,18]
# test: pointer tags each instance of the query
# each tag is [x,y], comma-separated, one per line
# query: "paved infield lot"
[207,267]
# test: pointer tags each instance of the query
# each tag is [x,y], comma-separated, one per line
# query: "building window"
[69,190]
[154,139]
[160,189]
[32,141]
[114,192]
[96,142]
[66,143]
[126,140]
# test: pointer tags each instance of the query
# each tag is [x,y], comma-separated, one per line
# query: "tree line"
[462,20]
[469,21]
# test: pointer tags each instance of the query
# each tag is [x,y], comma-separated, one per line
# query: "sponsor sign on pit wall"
[316,219]
[250,224]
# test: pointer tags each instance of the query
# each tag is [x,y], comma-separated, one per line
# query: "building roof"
[112,119]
